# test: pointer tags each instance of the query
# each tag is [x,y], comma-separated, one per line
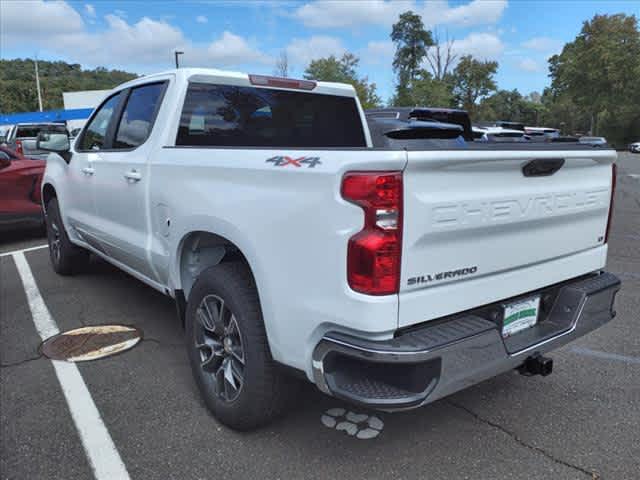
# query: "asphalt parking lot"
[583,421]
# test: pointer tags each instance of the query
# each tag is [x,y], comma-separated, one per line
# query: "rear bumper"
[444,356]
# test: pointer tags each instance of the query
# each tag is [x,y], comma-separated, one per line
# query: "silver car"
[22,138]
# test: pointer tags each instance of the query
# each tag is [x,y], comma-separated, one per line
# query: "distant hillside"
[18,83]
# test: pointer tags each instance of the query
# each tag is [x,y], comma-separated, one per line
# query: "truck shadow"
[14,239]
[446,438]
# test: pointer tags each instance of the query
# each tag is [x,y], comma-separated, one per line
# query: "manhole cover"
[91,343]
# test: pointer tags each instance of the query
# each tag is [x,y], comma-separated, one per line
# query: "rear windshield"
[31,131]
[224,115]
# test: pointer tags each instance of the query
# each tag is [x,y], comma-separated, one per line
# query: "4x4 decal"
[283,161]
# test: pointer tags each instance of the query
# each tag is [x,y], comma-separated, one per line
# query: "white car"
[388,277]
[499,134]
[596,141]
[634,147]
[21,137]
[542,131]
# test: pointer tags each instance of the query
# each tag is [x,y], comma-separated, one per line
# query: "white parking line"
[102,453]
[37,247]
[607,356]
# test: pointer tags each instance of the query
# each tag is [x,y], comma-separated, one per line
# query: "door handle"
[133,175]
[88,170]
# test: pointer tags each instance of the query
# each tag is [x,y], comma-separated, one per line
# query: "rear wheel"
[228,349]
[66,258]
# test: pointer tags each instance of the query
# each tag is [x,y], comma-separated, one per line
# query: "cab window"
[96,132]
[138,116]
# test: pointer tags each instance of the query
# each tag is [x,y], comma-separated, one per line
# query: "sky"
[248,36]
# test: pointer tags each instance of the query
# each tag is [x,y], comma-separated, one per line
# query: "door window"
[138,116]
[96,132]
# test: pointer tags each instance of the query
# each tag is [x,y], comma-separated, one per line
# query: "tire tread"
[270,390]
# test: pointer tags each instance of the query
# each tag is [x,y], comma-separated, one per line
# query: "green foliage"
[332,69]
[425,90]
[411,40]
[596,76]
[344,70]
[473,80]
[18,83]
[432,92]
[512,106]
[560,112]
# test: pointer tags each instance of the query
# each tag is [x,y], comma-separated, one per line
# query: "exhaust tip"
[536,365]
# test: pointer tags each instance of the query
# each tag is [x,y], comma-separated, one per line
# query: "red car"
[20,179]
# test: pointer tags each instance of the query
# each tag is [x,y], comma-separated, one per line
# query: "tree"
[502,105]
[432,92]
[560,112]
[282,65]
[441,57]
[473,80]
[344,70]
[598,72]
[18,85]
[511,106]
[534,97]
[411,41]
[332,69]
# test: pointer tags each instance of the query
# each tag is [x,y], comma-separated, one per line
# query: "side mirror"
[28,146]
[57,142]
[53,142]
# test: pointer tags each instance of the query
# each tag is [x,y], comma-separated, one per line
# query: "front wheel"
[66,258]
[228,349]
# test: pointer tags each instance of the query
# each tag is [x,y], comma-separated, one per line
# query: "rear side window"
[223,115]
[96,132]
[31,131]
[138,116]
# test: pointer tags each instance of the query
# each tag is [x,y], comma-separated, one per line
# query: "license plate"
[520,315]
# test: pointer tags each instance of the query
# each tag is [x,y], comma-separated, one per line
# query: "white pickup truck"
[295,241]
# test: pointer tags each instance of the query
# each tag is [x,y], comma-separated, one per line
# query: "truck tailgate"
[477,230]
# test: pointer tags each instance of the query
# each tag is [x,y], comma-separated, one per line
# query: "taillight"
[614,175]
[373,256]
[19,150]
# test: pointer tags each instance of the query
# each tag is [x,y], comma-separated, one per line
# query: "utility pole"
[38,86]
[176,53]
